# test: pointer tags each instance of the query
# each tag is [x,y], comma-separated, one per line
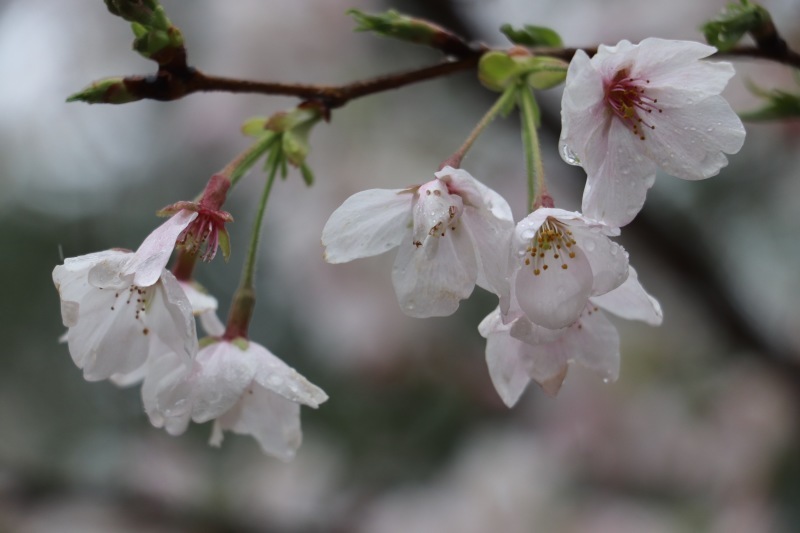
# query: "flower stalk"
[244,300]
[502,105]
[537,189]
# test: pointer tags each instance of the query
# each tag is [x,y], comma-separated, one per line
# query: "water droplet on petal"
[568,155]
[606,380]
[589,245]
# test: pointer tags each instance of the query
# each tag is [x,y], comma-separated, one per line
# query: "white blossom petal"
[593,342]
[225,372]
[167,391]
[275,375]
[631,302]
[608,260]
[199,299]
[555,297]
[491,238]
[431,280]
[270,418]
[211,324]
[368,223]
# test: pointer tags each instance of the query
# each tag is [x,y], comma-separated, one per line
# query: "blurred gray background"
[699,434]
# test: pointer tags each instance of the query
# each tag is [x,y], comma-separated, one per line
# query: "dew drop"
[568,155]
[606,380]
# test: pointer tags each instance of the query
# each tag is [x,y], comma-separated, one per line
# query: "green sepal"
[496,70]
[532,36]
[204,342]
[105,91]
[241,343]
[224,241]
[141,11]
[308,175]
[779,104]
[734,22]
[396,25]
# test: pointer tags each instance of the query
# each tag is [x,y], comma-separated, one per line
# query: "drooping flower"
[240,385]
[520,351]
[558,260]
[453,233]
[121,307]
[633,108]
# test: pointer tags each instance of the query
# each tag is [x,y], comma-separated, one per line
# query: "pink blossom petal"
[474,193]
[167,391]
[555,297]
[150,259]
[631,302]
[432,279]
[366,224]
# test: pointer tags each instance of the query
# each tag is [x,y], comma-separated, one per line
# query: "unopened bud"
[105,91]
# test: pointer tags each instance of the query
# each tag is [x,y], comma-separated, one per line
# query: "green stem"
[537,189]
[244,299]
[501,104]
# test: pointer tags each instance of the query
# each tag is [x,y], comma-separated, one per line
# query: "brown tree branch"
[171,83]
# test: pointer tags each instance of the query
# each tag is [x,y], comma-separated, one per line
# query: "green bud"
[496,70]
[105,91]
[532,36]
[734,22]
[254,126]
[398,26]
[547,72]
[141,11]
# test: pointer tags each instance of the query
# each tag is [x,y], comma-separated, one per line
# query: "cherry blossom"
[452,231]
[520,351]
[558,260]
[240,385]
[121,307]
[633,108]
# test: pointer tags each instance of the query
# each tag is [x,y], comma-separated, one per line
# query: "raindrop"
[606,380]
[589,245]
[568,155]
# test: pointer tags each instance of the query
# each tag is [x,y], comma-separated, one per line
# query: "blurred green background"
[699,434]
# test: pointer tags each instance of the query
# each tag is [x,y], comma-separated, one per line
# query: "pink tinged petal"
[366,224]
[689,84]
[150,259]
[618,176]
[225,372]
[608,260]
[657,58]
[491,239]
[546,364]
[593,342]
[275,375]
[211,324]
[555,297]
[688,142]
[631,302]
[431,280]
[474,193]
[270,418]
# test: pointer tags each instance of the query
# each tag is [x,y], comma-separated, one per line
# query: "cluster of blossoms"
[627,111]
[131,321]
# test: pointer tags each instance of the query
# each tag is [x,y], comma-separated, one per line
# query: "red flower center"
[627,97]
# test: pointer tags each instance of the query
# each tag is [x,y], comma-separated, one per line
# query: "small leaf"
[399,26]
[532,36]
[734,22]
[779,104]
